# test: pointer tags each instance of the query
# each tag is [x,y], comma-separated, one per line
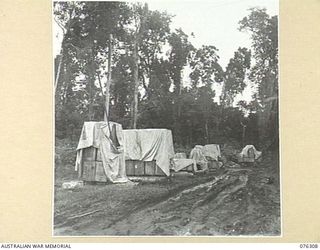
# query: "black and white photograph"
[166,118]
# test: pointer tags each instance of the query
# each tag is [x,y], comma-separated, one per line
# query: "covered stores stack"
[106,152]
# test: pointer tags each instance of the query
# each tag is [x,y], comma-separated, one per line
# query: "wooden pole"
[91,83]
[136,82]
[107,99]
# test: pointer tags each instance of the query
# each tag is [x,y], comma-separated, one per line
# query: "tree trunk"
[267,120]
[91,85]
[107,96]
[218,126]
[65,85]
[177,107]
[103,95]
[58,71]
[91,82]
[243,134]
[207,131]
[134,108]
[179,95]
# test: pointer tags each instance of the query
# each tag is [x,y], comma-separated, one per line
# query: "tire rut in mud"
[67,219]
[185,213]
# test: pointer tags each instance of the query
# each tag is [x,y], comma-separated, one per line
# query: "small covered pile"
[180,162]
[249,154]
[207,157]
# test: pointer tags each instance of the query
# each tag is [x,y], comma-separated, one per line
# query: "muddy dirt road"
[238,201]
[192,211]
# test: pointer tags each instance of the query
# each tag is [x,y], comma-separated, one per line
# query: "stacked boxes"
[92,167]
[143,168]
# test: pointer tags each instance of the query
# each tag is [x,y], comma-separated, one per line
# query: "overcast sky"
[213,22]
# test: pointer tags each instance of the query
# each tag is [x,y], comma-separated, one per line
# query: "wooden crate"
[143,168]
[139,168]
[100,175]
[92,167]
[89,171]
[98,155]
[93,171]
[150,168]
[129,168]
[89,154]
[158,171]
[134,168]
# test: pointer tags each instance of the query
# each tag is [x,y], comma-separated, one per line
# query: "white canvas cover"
[244,152]
[180,156]
[97,134]
[197,154]
[212,151]
[180,162]
[149,145]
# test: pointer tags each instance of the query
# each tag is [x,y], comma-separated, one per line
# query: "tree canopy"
[176,81]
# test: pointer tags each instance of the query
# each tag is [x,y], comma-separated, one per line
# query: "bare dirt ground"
[229,201]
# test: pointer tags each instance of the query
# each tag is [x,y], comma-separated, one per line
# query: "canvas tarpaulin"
[180,162]
[212,151]
[180,156]
[149,145]
[108,138]
[197,154]
[245,150]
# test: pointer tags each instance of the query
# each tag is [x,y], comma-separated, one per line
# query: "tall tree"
[65,15]
[148,34]
[104,22]
[235,76]
[264,35]
[181,48]
[154,36]
[139,20]
[205,67]
[88,37]
[205,72]
[179,53]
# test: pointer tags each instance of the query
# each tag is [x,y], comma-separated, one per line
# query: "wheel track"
[183,209]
